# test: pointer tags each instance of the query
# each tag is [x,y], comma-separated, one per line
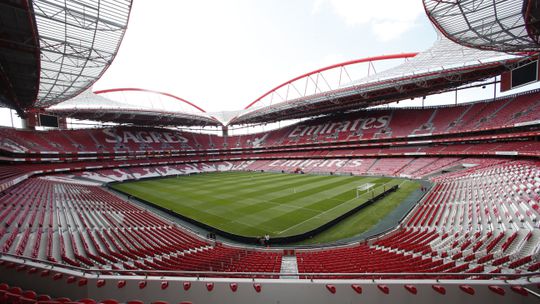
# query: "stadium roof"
[502,25]
[444,66]
[78,40]
[68,43]
[19,55]
[95,106]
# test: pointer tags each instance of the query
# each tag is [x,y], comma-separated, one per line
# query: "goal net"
[363,188]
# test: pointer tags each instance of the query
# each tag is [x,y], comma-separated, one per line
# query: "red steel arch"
[338,65]
[150,91]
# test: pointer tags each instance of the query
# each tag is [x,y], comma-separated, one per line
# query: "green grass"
[253,204]
[365,219]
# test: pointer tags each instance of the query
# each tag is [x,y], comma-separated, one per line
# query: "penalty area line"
[318,215]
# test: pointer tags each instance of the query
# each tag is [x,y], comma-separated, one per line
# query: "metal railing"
[437,276]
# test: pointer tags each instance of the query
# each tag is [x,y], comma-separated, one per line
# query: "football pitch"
[254,203]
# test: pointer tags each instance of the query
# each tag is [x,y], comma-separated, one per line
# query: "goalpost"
[362,188]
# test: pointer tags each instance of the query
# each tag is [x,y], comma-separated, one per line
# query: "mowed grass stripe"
[202,183]
[301,204]
[263,192]
[208,208]
[155,196]
[367,218]
[285,195]
[305,206]
[230,181]
[189,197]
[242,195]
[234,214]
[156,191]
[254,188]
[193,211]
[266,212]
[213,188]
[253,203]
[345,193]
[331,213]
[186,185]
[186,197]
[211,208]
[252,209]
[320,200]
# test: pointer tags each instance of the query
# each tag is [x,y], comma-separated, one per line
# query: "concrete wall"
[277,291]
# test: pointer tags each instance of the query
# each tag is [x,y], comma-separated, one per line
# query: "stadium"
[349,198]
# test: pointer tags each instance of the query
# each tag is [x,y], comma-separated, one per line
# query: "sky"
[222,55]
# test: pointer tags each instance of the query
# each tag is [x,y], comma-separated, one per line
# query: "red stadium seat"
[480,214]
[43,297]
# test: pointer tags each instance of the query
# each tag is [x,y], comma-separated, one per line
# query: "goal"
[363,188]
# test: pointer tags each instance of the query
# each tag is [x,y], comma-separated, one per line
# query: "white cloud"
[387,19]
[389,30]
[225,57]
[317,6]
